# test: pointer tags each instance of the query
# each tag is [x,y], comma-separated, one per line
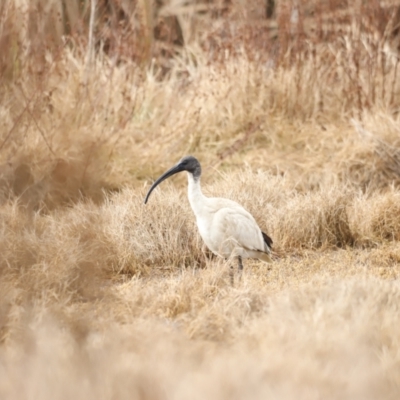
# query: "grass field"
[103,297]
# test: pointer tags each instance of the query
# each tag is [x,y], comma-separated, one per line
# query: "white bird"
[226,228]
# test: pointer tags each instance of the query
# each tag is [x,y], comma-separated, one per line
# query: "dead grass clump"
[61,257]
[318,220]
[160,235]
[309,320]
[343,326]
[370,159]
[73,253]
[121,126]
[375,218]
[56,184]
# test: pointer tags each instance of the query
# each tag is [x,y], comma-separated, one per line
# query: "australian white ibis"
[226,228]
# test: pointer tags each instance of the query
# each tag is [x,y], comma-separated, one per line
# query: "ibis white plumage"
[226,228]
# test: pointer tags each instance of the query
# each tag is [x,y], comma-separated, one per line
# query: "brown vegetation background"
[292,107]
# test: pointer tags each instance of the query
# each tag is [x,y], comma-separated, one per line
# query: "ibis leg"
[231,274]
[240,266]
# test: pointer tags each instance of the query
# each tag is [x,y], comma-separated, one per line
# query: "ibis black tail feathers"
[267,240]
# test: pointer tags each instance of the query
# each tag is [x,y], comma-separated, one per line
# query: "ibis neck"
[196,196]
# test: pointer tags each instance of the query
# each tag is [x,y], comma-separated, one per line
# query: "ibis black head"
[187,163]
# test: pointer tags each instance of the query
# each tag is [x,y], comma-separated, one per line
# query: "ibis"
[226,228]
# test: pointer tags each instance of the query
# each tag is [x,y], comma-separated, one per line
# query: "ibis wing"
[239,225]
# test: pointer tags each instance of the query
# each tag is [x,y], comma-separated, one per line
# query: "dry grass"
[103,297]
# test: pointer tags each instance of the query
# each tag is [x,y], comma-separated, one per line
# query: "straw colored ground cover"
[103,297]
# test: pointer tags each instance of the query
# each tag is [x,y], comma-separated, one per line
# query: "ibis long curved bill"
[226,228]
[172,171]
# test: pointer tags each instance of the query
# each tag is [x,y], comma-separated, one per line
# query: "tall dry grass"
[294,116]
